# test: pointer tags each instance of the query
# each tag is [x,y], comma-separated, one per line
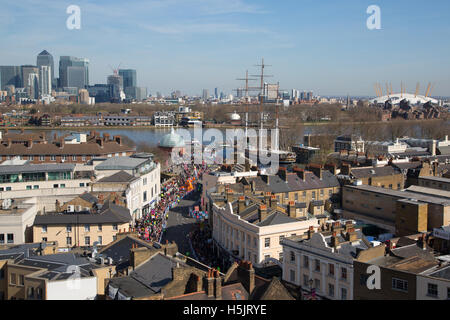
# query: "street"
[179,224]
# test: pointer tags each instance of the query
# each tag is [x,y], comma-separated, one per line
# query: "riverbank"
[215,126]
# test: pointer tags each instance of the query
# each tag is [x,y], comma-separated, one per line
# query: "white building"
[16,220]
[323,261]
[45,81]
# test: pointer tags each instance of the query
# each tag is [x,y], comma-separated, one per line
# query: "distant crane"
[115,71]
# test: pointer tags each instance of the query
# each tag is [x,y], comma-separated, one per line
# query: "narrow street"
[179,224]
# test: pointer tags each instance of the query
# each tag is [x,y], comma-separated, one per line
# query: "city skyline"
[196,45]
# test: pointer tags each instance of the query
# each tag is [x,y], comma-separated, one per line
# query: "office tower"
[138,93]
[46,59]
[205,95]
[117,82]
[295,94]
[26,70]
[101,92]
[216,93]
[32,85]
[10,75]
[76,77]
[73,64]
[129,77]
[45,80]
[309,96]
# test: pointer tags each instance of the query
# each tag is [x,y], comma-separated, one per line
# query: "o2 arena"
[395,98]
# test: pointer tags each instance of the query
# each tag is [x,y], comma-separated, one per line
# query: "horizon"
[190,45]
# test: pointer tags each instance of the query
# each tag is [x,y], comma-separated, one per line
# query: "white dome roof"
[235,117]
[396,98]
[172,140]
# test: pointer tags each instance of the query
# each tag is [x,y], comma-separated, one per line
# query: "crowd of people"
[153,223]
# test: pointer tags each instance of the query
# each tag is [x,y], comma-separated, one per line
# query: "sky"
[187,45]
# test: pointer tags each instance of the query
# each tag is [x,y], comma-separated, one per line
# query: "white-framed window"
[68,228]
[44,229]
[267,242]
[74,158]
[87,228]
[52,158]
[87,241]
[41,158]
[432,290]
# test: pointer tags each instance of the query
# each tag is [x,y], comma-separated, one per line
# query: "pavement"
[179,224]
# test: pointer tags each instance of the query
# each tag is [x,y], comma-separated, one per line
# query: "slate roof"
[120,176]
[276,218]
[120,163]
[359,173]
[110,213]
[89,198]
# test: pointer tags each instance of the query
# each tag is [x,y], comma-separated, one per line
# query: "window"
[432,290]
[144,181]
[314,195]
[115,227]
[29,187]
[292,256]
[398,186]
[331,290]
[343,294]
[317,284]
[21,280]
[292,276]
[390,186]
[280,256]
[100,227]
[68,228]
[2,274]
[448,293]
[35,187]
[145,196]
[55,186]
[305,261]
[31,158]
[114,238]
[69,241]
[286,195]
[317,265]
[87,241]
[82,184]
[331,269]
[83,158]
[399,285]
[2,238]
[12,279]
[30,292]
[39,293]
[267,242]
[44,239]
[100,240]
[74,158]
[321,192]
[62,185]
[41,158]
[281,238]
[330,192]
[266,256]
[304,194]
[305,280]
[52,158]
[8,188]
[344,273]
[87,228]
[63,158]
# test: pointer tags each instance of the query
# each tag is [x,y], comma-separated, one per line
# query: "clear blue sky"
[318,45]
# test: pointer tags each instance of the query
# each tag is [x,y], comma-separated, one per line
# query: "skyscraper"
[205,94]
[117,82]
[45,80]
[32,85]
[46,59]
[10,75]
[216,93]
[129,77]
[65,62]
[76,77]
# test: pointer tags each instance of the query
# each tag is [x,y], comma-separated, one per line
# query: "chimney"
[273,202]
[57,206]
[423,242]
[334,240]
[61,143]
[218,281]
[177,273]
[316,169]
[300,173]
[100,142]
[336,226]
[351,234]
[241,204]
[331,167]
[435,168]
[291,209]
[229,194]
[118,139]
[210,284]
[262,212]
[282,172]
[267,196]
[310,232]
[248,275]
[106,136]
[266,179]
[247,189]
